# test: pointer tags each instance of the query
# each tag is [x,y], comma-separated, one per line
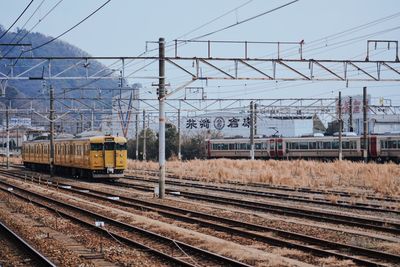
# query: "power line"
[26,22]
[26,8]
[34,26]
[245,20]
[70,29]
[215,19]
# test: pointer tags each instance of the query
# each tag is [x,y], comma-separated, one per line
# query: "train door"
[272,148]
[279,147]
[373,147]
[109,155]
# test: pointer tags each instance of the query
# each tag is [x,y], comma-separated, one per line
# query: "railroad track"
[283,188]
[335,218]
[35,257]
[276,195]
[308,244]
[174,251]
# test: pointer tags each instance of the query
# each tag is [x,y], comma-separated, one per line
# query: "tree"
[150,146]
[194,148]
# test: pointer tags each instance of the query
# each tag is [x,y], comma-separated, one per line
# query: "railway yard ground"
[216,213]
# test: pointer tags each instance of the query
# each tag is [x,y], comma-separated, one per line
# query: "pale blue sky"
[123,27]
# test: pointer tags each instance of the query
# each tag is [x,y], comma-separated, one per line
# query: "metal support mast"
[144,135]
[365,124]
[137,136]
[340,126]
[252,130]
[161,133]
[8,140]
[350,114]
[179,135]
[51,131]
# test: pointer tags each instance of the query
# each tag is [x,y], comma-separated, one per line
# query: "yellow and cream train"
[99,157]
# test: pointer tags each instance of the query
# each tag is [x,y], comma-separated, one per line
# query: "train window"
[121,146]
[232,146]
[242,146]
[96,147]
[303,145]
[327,145]
[272,145]
[345,144]
[109,146]
[258,146]
[312,145]
[353,144]
[279,145]
[383,144]
[335,145]
[392,144]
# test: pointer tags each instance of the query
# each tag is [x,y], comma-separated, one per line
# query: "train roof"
[92,139]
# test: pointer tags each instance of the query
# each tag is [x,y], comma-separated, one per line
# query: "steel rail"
[37,258]
[231,226]
[188,248]
[288,188]
[276,195]
[195,217]
[372,224]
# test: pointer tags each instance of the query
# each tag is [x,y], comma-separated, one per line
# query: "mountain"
[17,90]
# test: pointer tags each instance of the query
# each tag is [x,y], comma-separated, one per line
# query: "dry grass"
[355,176]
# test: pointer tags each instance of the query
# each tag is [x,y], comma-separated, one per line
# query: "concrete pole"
[92,122]
[8,139]
[365,124]
[137,136]
[144,135]
[252,130]
[340,126]
[179,135]
[51,163]
[81,122]
[255,119]
[161,132]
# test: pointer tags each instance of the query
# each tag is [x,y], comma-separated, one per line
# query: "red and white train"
[380,148]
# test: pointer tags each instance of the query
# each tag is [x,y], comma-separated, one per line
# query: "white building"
[238,124]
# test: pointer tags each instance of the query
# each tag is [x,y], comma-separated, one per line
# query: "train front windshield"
[120,146]
[109,146]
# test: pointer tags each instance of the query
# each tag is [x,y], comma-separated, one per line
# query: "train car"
[236,148]
[380,148]
[387,148]
[99,157]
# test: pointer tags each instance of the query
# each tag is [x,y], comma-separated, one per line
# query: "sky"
[122,28]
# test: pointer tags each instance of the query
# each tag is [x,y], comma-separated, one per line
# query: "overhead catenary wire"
[26,8]
[70,29]
[23,27]
[244,21]
[34,26]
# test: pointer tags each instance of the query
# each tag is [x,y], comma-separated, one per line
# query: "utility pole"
[81,122]
[161,102]
[351,114]
[340,126]
[137,135]
[51,131]
[365,124]
[8,140]
[179,135]
[252,130]
[255,119]
[144,135]
[92,122]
